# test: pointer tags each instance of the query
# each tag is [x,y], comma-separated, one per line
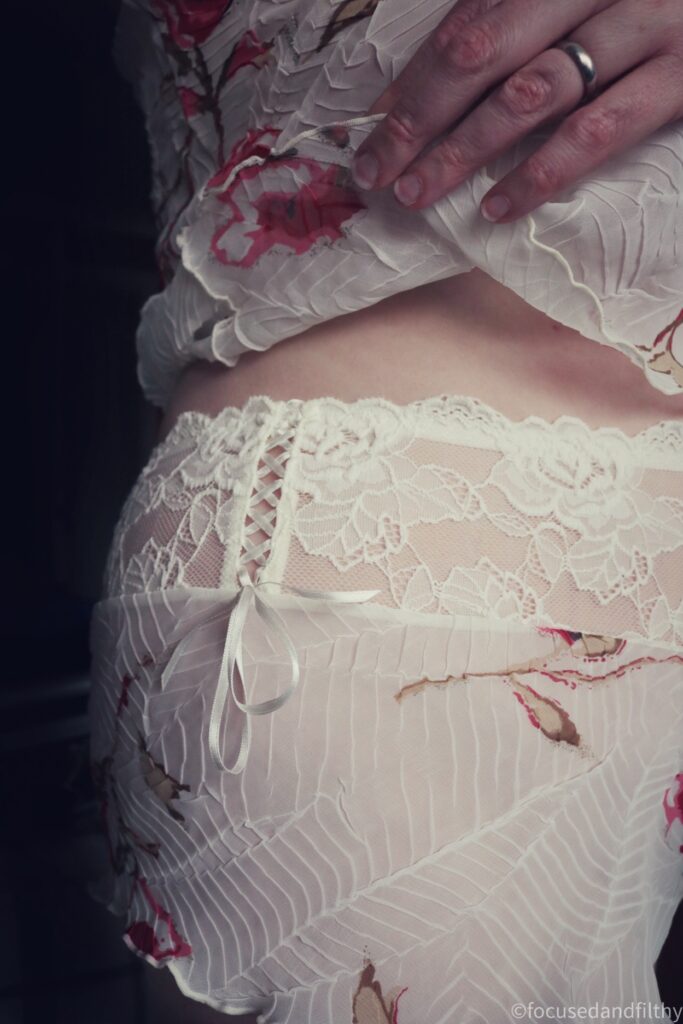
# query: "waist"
[464,335]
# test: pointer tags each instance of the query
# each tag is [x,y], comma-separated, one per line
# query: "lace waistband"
[440,506]
[458,419]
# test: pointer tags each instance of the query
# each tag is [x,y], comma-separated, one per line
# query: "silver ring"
[584,62]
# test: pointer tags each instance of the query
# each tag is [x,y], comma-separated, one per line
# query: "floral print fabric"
[290,241]
[462,806]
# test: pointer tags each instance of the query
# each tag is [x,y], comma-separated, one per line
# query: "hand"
[489,74]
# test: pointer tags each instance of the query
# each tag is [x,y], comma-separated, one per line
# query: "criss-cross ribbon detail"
[232,665]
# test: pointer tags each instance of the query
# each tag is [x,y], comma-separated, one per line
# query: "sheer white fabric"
[291,242]
[444,504]
[475,796]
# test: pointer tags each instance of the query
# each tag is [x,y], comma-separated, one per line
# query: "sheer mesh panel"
[470,809]
[534,521]
[444,506]
[172,544]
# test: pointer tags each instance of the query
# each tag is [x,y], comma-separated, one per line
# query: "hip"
[443,505]
[515,681]
[463,335]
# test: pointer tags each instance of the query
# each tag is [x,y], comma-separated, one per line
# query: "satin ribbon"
[231,661]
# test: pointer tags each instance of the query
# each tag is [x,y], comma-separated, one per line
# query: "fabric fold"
[290,241]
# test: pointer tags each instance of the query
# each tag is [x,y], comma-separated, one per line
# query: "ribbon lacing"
[279,151]
[231,661]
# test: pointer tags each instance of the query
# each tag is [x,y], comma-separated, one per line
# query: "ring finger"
[546,88]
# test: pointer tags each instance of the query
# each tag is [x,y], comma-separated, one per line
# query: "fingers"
[467,11]
[467,53]
[545,89]
[633,108]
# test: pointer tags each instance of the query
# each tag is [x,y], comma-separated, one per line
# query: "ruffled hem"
[229,1008]
[284,244]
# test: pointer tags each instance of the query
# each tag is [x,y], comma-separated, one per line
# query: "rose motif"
[221,455]
[370,1004]
[256,142]
[608,563]
[286,201]
[153,567]
[190,22]
[667,351]
[673,812]
[487,590]
[250,51]
[345,446]
[675,619]
[587,481]
[352,532]
[158,942]
[193,103]
[584,478]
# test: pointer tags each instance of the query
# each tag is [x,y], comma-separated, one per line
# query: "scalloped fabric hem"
[265,234]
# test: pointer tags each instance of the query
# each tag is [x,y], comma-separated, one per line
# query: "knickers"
[387,710]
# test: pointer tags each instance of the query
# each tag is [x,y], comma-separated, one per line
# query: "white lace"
[444,505]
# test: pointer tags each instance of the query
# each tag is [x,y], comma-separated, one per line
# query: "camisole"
[254,109]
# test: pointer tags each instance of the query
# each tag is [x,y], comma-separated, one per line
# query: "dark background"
[77,251]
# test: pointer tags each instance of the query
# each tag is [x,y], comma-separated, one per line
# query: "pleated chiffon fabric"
[473,798]
[263,233]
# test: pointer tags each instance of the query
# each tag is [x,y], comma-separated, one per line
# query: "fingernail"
[365,170]
[408,188]
[495,207]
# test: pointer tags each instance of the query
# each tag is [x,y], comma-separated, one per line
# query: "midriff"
[465,335]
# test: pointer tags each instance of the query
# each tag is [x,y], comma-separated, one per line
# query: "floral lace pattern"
[673,811]
[489,747]
[444,503]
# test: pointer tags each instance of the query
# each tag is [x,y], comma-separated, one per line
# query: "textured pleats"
[254,248]
[454,812]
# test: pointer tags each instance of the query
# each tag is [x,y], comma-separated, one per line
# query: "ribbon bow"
[232,659]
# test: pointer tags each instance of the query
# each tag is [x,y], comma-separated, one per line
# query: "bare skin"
[511,48]
[464,335]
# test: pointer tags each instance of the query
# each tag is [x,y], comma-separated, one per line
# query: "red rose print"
[123,696]
[587,645]
[191,102]
[156,942]
[673,808]
[257,142]
[337,134]
[291,209]
[370,1005]
[159,940]
[161,782]
[191,22]
[545,713]
[126,683]
[140,936]
[666,356]
[249,51]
